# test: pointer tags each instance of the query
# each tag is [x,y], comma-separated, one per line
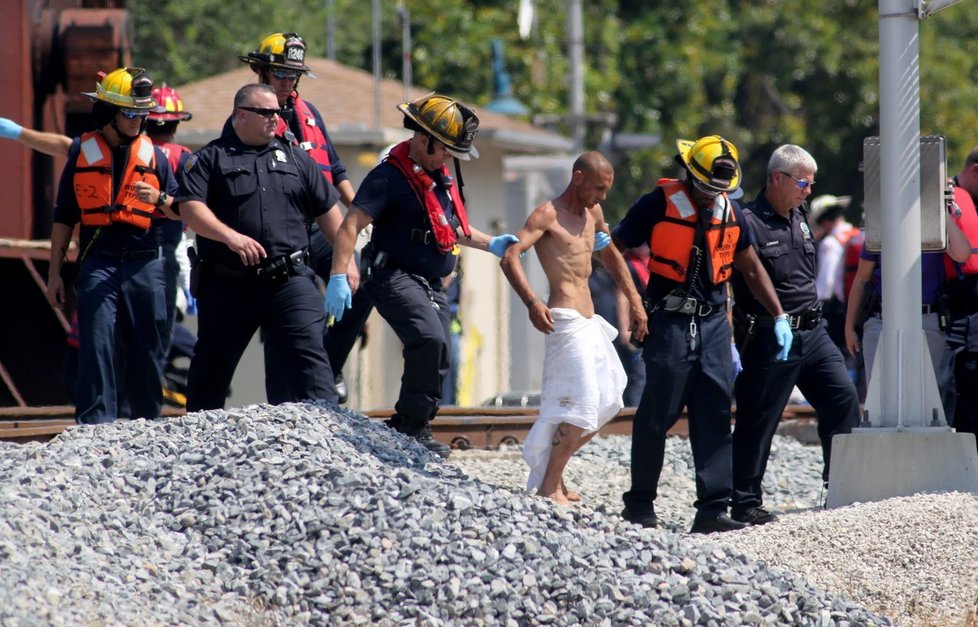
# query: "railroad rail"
[459,427]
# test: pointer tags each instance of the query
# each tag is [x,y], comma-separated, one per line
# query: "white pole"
[900,211]
[376,51]
[575,45]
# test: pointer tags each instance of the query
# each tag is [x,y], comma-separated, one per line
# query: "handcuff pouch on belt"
[371,258]
[277,270]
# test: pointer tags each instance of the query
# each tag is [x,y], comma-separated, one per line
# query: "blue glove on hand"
[782,331]
[737,365]
[601,240]
[10,129]
[500,243]
[338,296]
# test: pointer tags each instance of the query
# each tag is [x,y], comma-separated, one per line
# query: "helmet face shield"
[711,161]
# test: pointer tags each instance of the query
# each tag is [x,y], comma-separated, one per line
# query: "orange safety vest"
[446,237]
[672,239]
[313,138]
[93,182]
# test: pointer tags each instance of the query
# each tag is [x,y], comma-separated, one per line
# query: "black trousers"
[699,379]
[339,339]
[230,310]
[417,311]
[816,366]
[958,375]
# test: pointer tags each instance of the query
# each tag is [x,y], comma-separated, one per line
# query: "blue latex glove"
[338,296]
[737,365]
[10,129]
[191,303]
[782,331]
[601,240]
[500,243]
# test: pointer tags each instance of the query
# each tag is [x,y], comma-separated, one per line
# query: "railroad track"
[459,427]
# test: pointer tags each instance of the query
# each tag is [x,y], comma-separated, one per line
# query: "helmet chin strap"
[122,135]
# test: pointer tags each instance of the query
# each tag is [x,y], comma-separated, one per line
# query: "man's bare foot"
[557,497]
[570,494]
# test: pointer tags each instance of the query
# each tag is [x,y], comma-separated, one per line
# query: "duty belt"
[688,306]
[799,322]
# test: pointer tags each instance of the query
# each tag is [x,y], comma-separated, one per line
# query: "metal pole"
[331,30]
[902,395]
[575,44]
[406,67]
[376,51]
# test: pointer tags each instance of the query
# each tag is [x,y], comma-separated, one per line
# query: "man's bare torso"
[565,251]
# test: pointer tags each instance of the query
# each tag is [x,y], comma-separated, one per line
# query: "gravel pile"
[301,514]
[912,559]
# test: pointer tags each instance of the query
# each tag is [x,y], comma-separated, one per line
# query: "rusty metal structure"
[53,50]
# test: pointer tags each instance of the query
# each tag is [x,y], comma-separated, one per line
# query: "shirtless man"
[583,377]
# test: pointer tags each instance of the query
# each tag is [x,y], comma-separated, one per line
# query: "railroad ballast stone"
[306,513]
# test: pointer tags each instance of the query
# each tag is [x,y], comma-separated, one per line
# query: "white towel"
[583,381]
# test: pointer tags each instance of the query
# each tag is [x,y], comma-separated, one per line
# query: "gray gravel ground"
[912,559]
[301,514]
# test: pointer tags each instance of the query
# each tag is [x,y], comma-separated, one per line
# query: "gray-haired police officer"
[778,223]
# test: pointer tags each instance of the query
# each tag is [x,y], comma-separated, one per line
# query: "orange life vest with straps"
[672,239]
[446,236]
[93,182]
[968,223]
[313,138]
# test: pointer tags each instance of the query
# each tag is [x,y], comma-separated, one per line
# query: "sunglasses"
[265,113]
[801,183]
[284,75]
[132,114]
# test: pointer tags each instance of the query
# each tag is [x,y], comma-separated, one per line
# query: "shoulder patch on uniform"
[191,162]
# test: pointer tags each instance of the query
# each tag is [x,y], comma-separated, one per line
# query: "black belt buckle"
[423,236]
[795,322]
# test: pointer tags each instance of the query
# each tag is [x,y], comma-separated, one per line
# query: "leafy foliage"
[759,72]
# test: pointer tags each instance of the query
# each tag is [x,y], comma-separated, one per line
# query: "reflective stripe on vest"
[312,137]
[424,188]
[968,223]
[93,183]
[672,239]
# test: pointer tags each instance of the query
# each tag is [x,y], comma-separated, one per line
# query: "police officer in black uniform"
[249,196]
[419,222]
[696,237]
[778,223]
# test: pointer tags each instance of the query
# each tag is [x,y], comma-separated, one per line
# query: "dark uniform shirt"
[117,236]
[269,193]
[636,229]
[787,250]
[336,166]
[386,196]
